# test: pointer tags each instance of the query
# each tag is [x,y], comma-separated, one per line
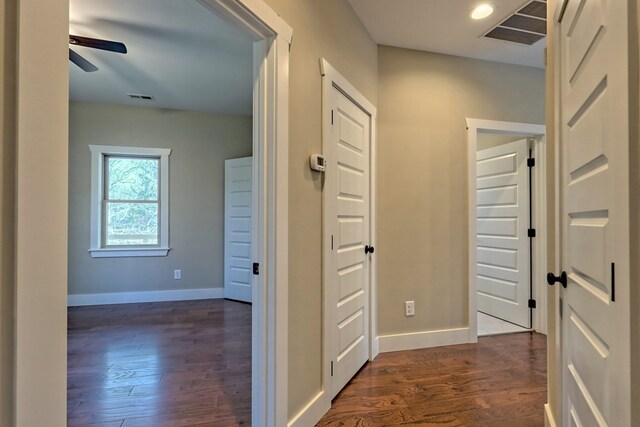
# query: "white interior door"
[594,107]
[347,188]
[502,241]
[237,228]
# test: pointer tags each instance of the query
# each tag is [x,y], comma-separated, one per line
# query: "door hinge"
[331,368]
[531,232]
[332,242]
[532,303]
[256,268]
[613,282]
[331,116]
[531,162]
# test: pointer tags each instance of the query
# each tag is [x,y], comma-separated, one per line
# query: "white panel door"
[503,242]
[347,189]
[594,108]
[237,228]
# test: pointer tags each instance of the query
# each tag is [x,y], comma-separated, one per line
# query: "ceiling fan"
[87,66]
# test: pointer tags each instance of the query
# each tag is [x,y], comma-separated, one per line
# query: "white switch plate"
[409,308]
[177,274]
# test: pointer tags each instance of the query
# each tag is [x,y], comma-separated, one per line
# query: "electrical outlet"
[177,274]
[409,308]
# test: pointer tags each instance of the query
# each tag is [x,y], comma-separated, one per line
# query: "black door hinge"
[256,268]
[531,232]
[332,368]
[531,162]
[532,303]
[331,116]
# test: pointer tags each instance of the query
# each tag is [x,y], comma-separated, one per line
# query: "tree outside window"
[131,205]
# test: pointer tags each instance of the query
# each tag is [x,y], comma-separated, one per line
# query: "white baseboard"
[149,296]
[549,419]
[426,339]
[311,413]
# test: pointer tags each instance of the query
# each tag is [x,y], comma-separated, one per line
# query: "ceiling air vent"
[141,97]
[525,26]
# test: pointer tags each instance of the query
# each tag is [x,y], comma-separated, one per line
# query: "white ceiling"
[189,59]
[444,26]
[178,52]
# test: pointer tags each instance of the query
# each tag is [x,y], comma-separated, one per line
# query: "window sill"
[128,252]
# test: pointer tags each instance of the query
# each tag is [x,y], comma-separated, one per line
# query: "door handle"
[368,249]
[553,279]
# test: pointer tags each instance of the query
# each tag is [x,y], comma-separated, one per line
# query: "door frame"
[332,78]
[41,186]
[539,199]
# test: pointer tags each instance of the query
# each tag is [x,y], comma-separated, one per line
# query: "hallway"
[499,382]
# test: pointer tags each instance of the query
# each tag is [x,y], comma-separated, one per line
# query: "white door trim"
[271,204]
[555,405]
[539,214]
[332,78]
[41,187]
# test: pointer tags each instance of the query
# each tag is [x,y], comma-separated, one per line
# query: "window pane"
[131,224]
[132,178]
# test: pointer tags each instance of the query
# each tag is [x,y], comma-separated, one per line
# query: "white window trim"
[98,153]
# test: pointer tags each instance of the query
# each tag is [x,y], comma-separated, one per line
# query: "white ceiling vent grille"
[140,97]
[526,26]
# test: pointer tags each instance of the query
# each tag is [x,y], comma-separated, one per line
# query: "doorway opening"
[169,220]
[156,129]
[506,228]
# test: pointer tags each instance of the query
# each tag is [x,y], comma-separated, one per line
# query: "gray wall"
[422,245]
[200,143]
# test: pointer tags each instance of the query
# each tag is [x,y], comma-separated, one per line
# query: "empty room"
[160,207]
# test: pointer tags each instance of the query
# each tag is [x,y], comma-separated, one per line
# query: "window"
[129,201]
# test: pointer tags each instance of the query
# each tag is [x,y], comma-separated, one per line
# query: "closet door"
[237,228]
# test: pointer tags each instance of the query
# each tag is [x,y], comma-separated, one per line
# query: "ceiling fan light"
[481,11]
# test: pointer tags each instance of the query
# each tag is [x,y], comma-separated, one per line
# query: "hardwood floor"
[160,364]
[499,382]
[189,364]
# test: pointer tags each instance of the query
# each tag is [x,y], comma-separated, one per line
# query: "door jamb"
[272,42]
[332,78]
[553,407]
[539,216]
[41,293]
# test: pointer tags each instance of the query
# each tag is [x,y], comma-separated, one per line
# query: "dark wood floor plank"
[189,364]
[160,364]
[501,381]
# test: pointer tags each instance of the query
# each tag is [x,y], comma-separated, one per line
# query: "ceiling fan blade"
[81,62]
[98,44]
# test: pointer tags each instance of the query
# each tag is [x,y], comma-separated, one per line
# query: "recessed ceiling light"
[481,11]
